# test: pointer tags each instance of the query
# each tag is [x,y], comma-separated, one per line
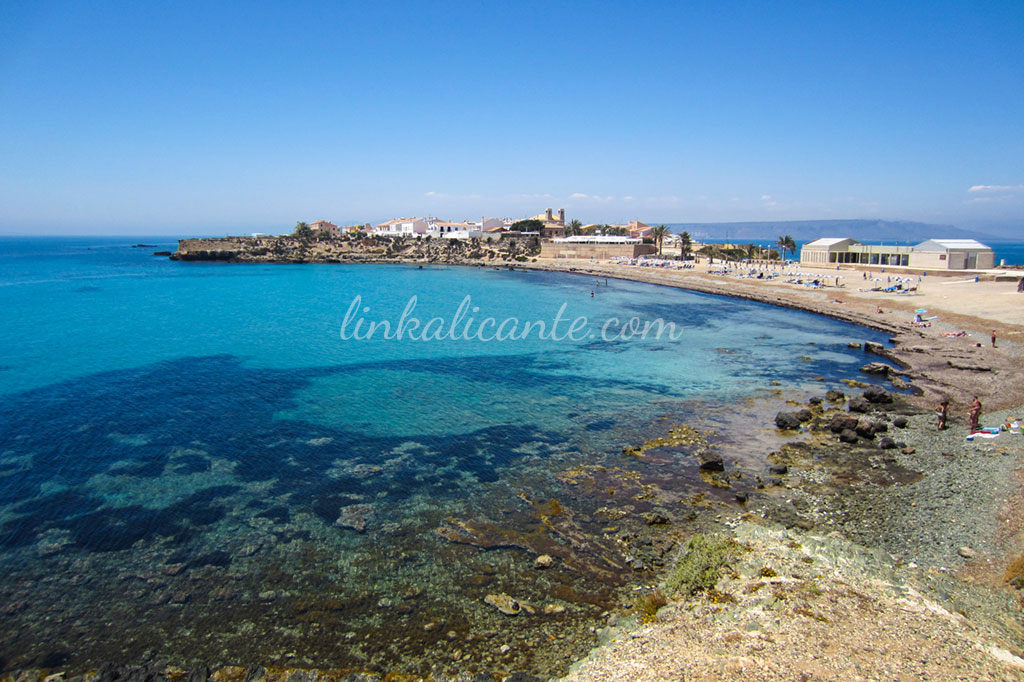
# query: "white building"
[934,254]
[952,254]
[400,227]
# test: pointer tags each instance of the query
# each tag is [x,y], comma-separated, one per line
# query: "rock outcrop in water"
[510,248]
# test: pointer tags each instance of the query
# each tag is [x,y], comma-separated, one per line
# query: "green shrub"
[701,563]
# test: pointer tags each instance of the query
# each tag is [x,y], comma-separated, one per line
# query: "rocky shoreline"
[877,546]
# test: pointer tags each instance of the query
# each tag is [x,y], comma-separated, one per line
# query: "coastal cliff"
[355,249]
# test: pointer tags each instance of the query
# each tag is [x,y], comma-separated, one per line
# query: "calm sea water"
[194,466]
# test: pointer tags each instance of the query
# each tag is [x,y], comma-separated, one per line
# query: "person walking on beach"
[993,338]
[943,411]
[975,414]
[1020,286]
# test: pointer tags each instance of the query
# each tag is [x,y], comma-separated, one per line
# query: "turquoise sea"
[196,467]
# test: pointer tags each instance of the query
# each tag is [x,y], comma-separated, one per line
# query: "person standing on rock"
[943,410]
[975,414]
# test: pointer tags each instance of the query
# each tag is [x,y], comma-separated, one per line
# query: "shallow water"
[194,466]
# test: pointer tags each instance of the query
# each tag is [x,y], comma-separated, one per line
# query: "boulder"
[877,368]
[886,443]
[544,561]
[840,422]
[877,394]
[787,420]
[866,428]
[804,415]
[859,404]
[900,422]
[835,396]
[880,427]
[848,436]
[778,469]
[816,400]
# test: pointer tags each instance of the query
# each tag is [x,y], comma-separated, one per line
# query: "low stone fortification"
[598,251]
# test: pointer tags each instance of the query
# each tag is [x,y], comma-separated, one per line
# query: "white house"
[401,227]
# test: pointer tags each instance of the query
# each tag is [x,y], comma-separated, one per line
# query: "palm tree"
[785,244]
[659,233]
[685,244]
[573,228]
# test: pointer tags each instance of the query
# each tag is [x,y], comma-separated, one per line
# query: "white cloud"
[995,189]
[766,197]
[579,195]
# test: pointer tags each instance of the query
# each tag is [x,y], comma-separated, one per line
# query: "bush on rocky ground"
[701,564]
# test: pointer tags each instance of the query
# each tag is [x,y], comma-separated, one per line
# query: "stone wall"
[599,251]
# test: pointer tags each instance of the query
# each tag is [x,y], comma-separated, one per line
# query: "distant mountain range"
[807,230]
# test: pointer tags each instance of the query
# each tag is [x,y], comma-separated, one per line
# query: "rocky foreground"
[877,549]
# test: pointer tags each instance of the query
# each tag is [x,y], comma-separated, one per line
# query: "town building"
[446,230]
[401,227]
[639,230]
[553,228]
[325,226]
[934,254]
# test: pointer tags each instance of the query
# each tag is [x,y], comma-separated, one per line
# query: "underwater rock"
[544,561]
[632,451]
[554,609]
[354,516]
[504,603]
[655,518]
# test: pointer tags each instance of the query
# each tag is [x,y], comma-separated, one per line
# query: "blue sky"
[178,117]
